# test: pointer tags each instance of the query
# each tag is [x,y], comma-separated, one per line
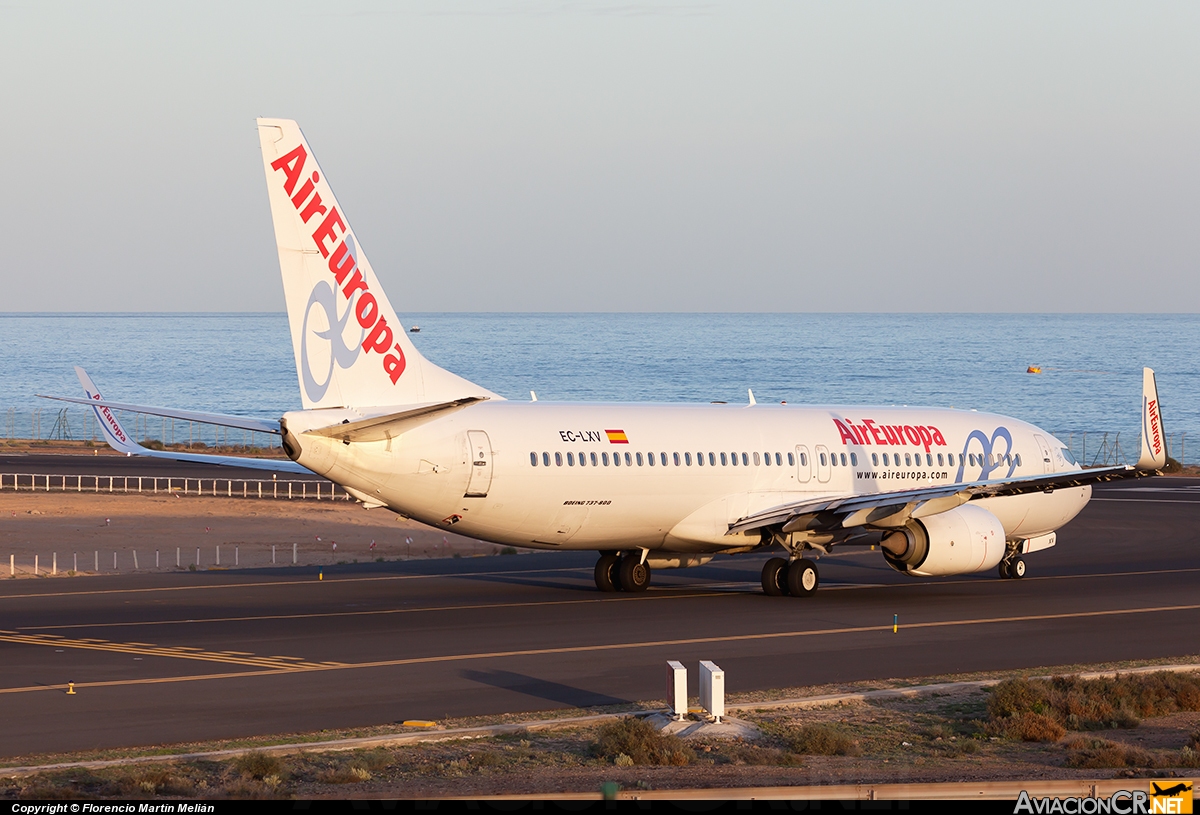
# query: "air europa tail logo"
[114,426]
[867,431]
[335,243]
[1153,427]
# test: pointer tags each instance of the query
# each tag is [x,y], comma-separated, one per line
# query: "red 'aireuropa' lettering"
[329,237]
[1155,424]
[869,432]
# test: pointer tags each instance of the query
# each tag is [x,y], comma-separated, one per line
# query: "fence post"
[197,557]
[35,565]
[96,567]
[114,561]
[76,569]
[135,565]
[54,568]
[237,556]
[293,554]
[176,557]
[156,558]
[218,555]
[12,565]
[272,554]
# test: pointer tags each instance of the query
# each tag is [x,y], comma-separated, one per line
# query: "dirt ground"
[932,738]
[86,530]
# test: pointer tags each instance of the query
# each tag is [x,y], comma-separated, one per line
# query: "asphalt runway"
[180,657]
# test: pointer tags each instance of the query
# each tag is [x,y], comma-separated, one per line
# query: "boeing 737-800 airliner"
[648,486]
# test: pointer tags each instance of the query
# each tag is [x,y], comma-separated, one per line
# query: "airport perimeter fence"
[1107,449]
[213,487]
[79,424]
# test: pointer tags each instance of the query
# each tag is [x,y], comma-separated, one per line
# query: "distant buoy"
[416,329]
[1034,369]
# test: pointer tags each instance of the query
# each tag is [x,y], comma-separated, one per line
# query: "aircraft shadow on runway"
[541,688]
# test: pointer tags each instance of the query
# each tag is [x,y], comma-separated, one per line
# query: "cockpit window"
[1066,453]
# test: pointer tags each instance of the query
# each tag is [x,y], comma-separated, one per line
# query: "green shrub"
[641,742]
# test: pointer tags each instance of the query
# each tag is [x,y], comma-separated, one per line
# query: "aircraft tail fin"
[351,349]
[114,433]
[1154,438]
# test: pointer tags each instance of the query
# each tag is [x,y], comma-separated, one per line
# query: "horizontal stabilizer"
[381,428]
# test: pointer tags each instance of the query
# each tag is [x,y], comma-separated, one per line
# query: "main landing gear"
[617,573]
[798,578]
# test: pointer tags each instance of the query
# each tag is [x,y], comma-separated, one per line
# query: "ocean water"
[243,363]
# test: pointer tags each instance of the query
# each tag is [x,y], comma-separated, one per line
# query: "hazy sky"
[612,156]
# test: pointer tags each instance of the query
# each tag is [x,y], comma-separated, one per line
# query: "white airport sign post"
[677,689]
[712,689]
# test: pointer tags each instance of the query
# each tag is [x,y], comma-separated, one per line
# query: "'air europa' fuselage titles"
[342,262]
[869,432]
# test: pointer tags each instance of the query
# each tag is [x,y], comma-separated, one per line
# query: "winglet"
[1154,438]
[114,433]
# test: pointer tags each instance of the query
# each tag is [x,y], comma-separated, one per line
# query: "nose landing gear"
[1012,568]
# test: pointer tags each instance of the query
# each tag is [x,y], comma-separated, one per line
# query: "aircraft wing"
[120,440]
[895,508]
[225,420]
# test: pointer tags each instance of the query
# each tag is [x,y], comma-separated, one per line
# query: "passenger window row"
[632,459]
[943,460]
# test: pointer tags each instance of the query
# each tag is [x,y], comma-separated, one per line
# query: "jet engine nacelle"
[961,540]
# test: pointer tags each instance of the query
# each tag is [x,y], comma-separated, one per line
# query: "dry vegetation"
[1062,727]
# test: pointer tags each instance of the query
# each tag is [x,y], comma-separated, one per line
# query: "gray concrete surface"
[179,657]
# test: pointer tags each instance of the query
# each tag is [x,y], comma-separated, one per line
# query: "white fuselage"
[671,478]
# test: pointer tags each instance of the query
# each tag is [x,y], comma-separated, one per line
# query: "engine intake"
[962,540]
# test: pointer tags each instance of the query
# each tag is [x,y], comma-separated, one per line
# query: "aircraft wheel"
[606,572]
[633,574]
[802,578]
[1003,570]
[1016,568]
[774,577]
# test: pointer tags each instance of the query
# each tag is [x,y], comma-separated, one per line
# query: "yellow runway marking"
[142,649]
[578,649]
[316,615]
[712,590]
[268,584]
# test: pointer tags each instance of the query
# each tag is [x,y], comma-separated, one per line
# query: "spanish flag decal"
[617,437]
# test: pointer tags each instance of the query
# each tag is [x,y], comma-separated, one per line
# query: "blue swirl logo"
[340,353]
[989,458]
